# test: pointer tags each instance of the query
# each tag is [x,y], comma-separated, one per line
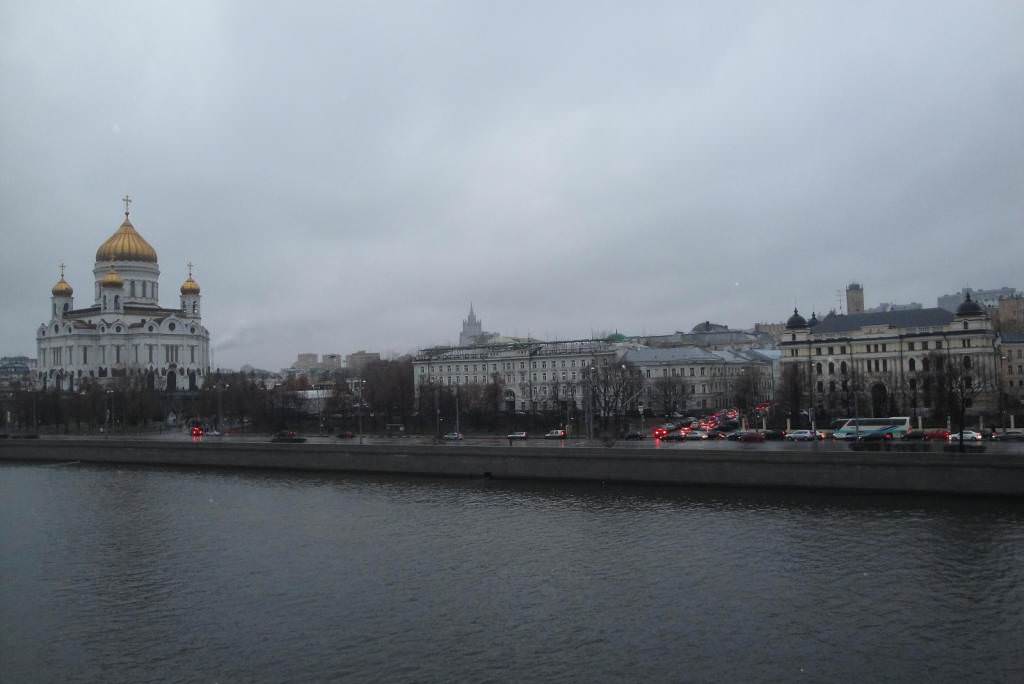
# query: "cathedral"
[124,335]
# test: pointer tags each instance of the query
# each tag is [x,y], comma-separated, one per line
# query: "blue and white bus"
[851,428]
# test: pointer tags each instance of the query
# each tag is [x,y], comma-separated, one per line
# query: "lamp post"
[359,413]
[110,409]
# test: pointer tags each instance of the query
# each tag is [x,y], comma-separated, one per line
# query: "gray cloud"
[351,176]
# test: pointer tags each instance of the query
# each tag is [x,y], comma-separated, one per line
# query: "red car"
[197,431]
[941,435]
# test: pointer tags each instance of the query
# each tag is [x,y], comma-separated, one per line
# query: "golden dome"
[62,288]
[112,279]
[126,245]
[190,287]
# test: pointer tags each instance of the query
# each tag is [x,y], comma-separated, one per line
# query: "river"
[143,574]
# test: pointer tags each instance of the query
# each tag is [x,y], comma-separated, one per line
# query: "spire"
[127,201]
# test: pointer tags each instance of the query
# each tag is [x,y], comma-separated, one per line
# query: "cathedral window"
[171,326]
[143,288]
[131,288]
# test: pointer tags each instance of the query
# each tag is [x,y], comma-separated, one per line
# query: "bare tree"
[614,387]
[669,393]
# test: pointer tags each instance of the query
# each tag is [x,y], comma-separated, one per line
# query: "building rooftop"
[909,318]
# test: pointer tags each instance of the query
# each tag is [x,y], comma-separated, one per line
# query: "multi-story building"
[684,378]
[357,361]
[546,373]
[1009,316]
[878,364]
[987,298]
[1011,359]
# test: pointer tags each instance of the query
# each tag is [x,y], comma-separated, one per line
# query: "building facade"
[688,378]
[885,364]
[124,333]
[986,298]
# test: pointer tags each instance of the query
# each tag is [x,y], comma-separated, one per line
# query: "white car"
[969,436]
[515,435]
[801,436]
[555,434]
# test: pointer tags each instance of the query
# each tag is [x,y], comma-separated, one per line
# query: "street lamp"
[110,409]
[360,384]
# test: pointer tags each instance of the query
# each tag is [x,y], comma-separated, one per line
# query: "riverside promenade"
[828,468]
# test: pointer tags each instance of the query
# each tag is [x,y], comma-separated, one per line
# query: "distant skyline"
[349,177]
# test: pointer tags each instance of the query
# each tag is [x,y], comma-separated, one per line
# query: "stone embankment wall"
[971,473]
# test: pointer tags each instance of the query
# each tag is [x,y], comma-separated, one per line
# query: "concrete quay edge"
[925,472]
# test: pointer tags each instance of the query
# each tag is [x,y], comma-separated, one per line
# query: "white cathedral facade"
[124,335]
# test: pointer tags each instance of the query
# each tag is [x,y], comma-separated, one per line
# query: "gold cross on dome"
[190,269]
[127,201]
[62,270]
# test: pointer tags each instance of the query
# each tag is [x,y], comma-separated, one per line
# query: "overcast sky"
[352,175]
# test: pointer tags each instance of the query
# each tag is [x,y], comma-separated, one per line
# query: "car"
[1011,436]
[452,436]
[346,434]
[939,434]
[734,436]
[695,435]
[197,431]
[914,435]
[675,436]
[968,436]
[801,436]
[634,435]
[287,436]
[773,434]
[875,436]
[659,433]
[555,434]
[751,436]
[516,435]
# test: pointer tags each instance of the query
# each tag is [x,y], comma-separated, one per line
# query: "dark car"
[751,436]
[915,435]
[634,435]
[773,434]
[1011,436]
[675,436]
[287,436]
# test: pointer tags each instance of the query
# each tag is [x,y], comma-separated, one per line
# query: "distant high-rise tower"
[472,328]
[854,298]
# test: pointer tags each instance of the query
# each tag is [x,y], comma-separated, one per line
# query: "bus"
[853,426]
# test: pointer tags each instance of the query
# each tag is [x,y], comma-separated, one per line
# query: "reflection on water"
[141,574]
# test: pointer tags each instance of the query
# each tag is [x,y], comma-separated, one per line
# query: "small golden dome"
[112,279]
[126,245]
[62,288]
[190,287]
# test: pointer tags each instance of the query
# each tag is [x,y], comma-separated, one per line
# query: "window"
[831,351]
[817,368]
[831,368]
[883,347]
[885,364]
[967,362]
[132,288]
[965,325]
[648,374]
[842,368]
[821,386]
[910,346]
[832,386]
[144,288]
[702,370]
[924,346]
[842,350]
[817,351]
[938,344]
[691,372]
[912,364]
